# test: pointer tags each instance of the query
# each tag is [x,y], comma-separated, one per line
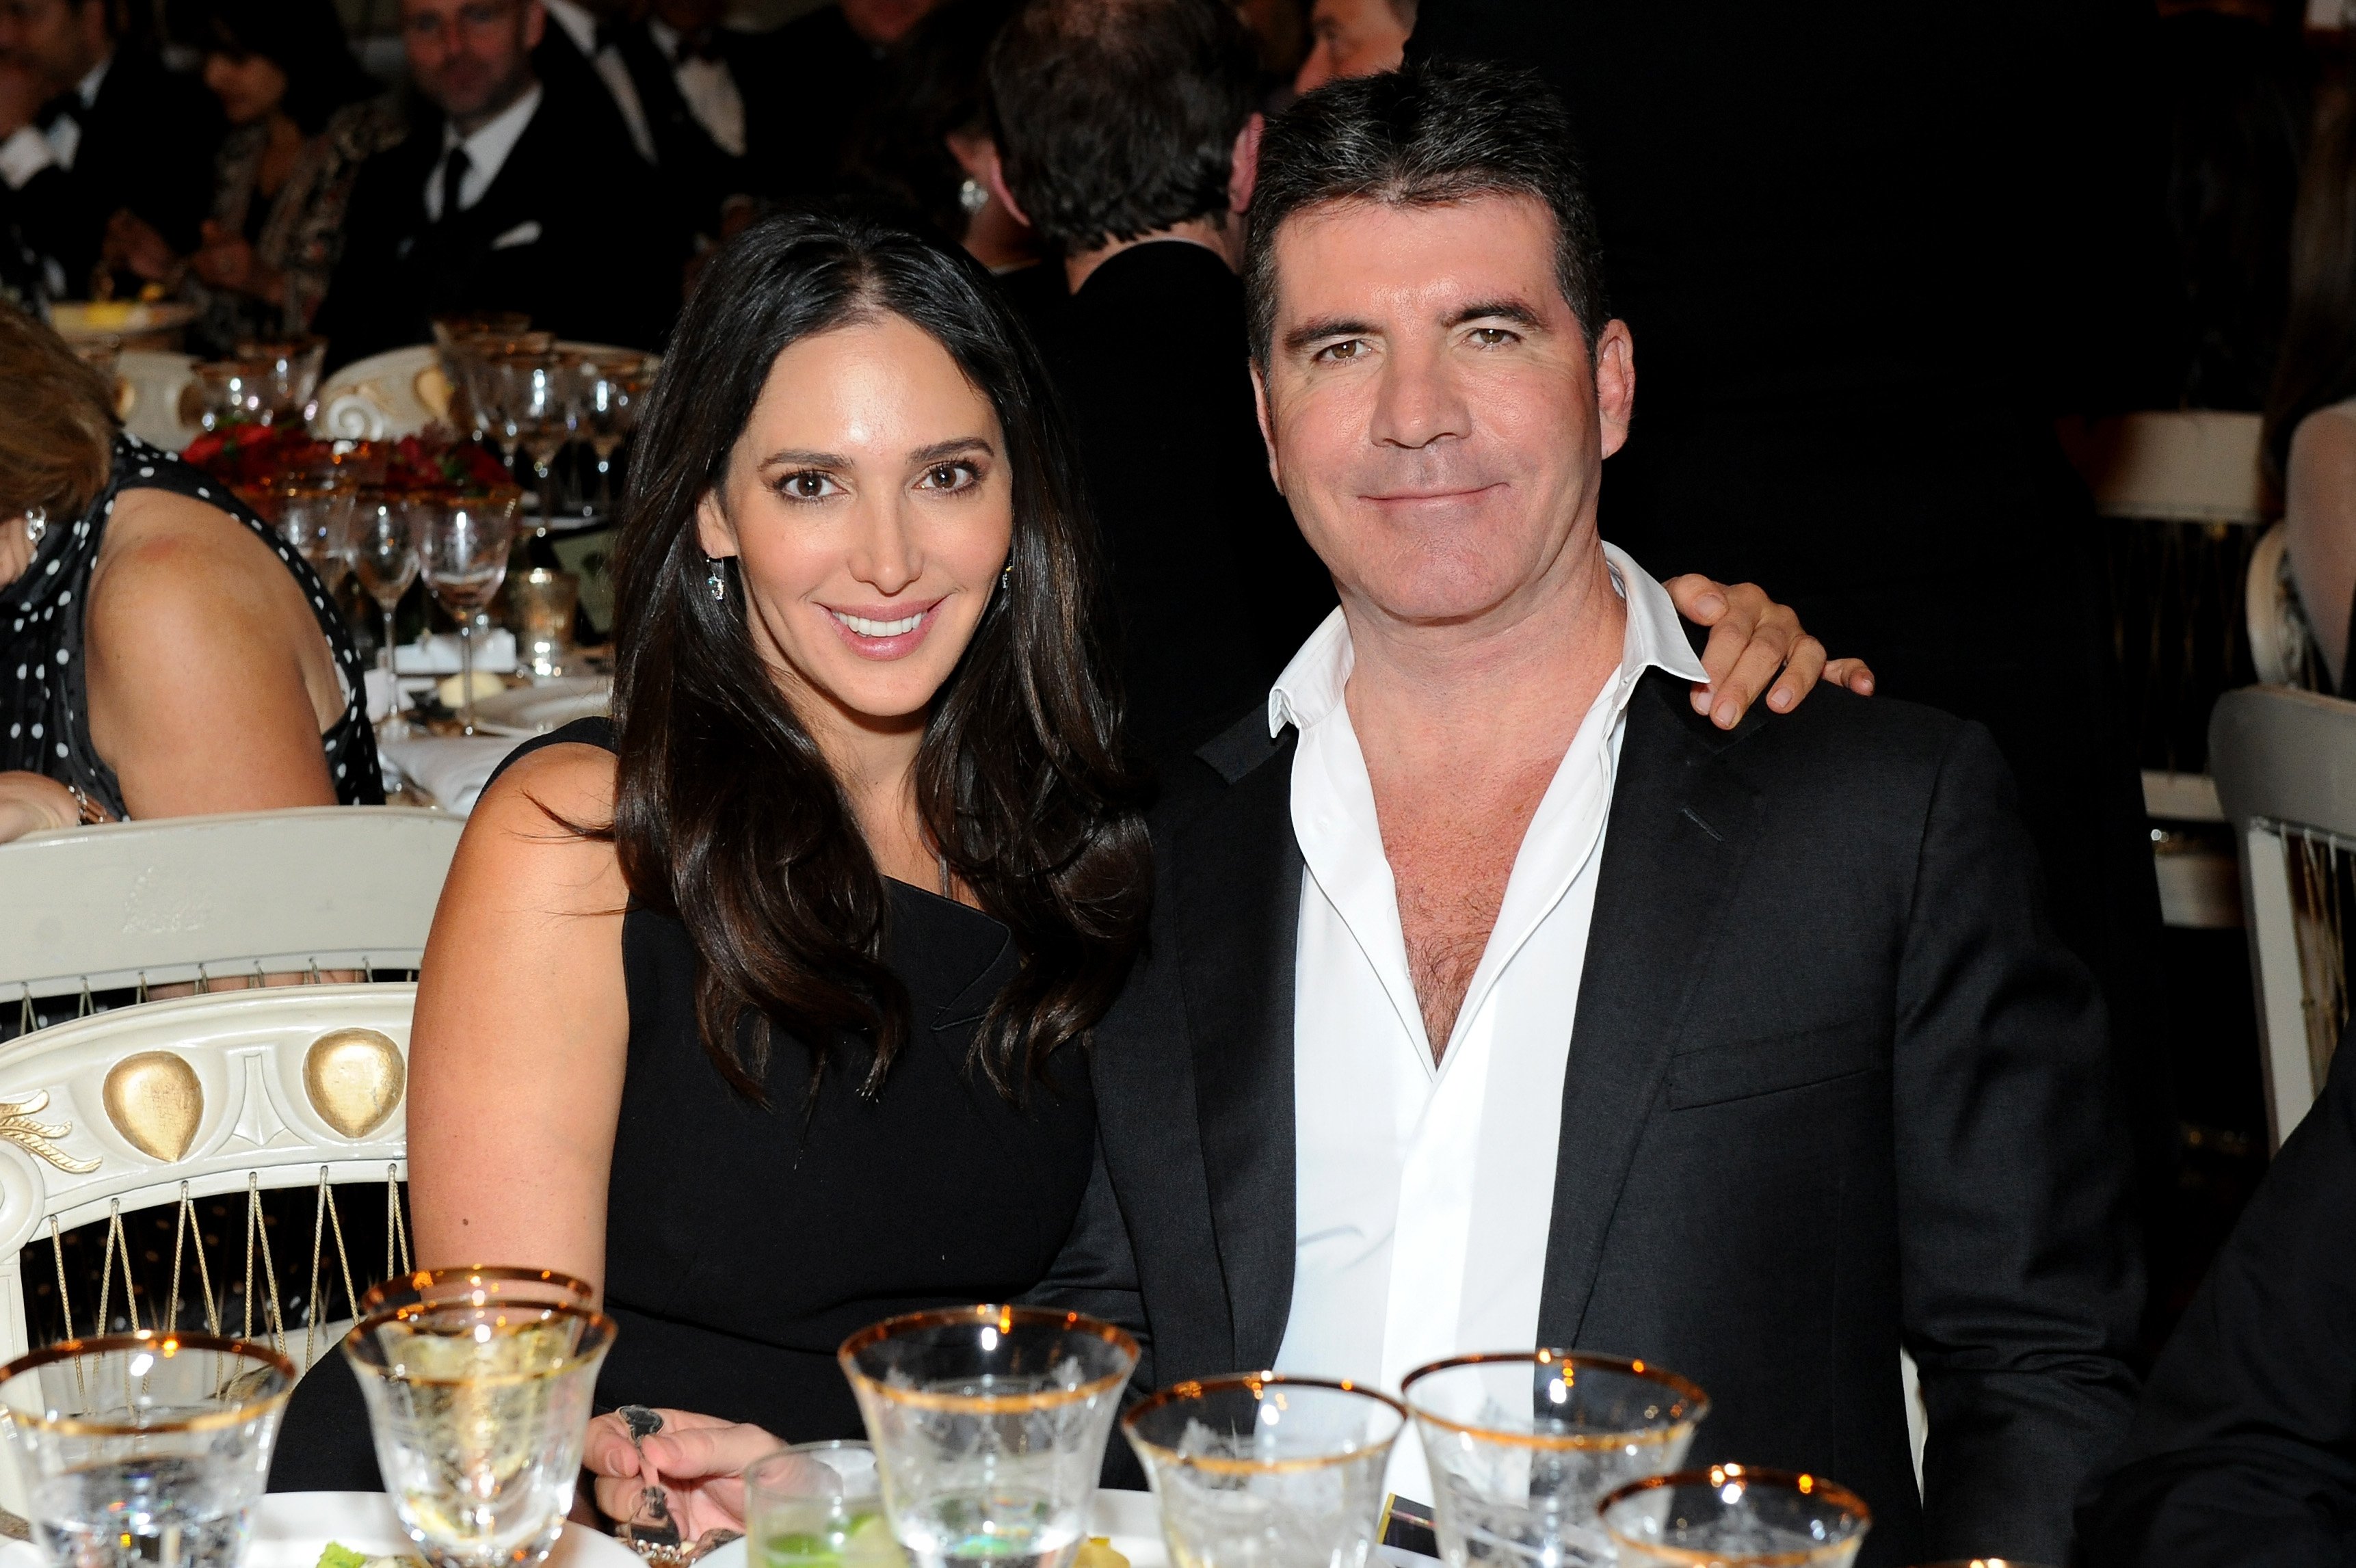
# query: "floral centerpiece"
[258,462]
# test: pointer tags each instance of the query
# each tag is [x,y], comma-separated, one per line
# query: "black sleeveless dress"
[743,1243]
[47,706]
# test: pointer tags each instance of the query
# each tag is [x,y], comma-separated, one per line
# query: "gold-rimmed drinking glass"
[462,554]
[1735,1516]
[479,1408]
[1521,1447]
[1258,1470]
[543,601]
[476,1284]
[145,1450]
[314,515]
[230,392]
[292,371]
[988,1424]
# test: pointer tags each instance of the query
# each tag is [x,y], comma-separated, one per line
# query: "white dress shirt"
[710,88]
[1424,1193]
[487,152]
[607,62]
[29,149]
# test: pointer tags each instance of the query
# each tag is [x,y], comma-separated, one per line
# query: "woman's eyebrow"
[954,446]
[796,457]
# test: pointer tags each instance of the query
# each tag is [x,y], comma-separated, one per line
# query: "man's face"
[472,58]
[1351,38]
[1432,412]
[884,23]
[55,41]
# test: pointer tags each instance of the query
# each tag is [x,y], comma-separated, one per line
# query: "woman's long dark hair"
[305,39]
[727,817]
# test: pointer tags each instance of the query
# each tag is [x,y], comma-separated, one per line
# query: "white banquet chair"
[201,898]
[2285,762]
[171,1102]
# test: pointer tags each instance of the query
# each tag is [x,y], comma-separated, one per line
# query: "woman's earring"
[1006,578]
[37,525]
[719,582]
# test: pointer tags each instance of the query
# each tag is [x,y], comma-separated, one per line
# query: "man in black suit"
[509,194]
[2244,1451]
[1495,998]
[90,127]
[1127,136]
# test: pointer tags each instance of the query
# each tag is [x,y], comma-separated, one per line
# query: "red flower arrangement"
[254,459]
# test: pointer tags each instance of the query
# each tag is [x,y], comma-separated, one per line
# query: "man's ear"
[1266,427]
[1615,382]
[1243,169]
[535,24]
[994,176]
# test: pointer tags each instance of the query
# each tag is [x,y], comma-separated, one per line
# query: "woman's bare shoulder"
[539,828]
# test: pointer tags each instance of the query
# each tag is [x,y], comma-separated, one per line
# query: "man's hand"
[1751,638]
[698,1460]
[31,802]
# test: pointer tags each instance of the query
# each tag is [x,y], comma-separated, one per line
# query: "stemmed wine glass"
[539,412]
[384,557]
[462,553]
[612,393]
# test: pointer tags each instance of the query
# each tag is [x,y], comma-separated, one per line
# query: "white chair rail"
[208,898]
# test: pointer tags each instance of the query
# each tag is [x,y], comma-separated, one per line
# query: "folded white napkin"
[438,655]
[453,769]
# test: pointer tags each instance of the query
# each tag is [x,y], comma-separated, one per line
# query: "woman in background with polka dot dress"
[161,652]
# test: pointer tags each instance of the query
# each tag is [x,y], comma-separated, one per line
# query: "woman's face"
[249,86]
[870,507]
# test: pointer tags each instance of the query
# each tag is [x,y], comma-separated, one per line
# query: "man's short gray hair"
[1431,133]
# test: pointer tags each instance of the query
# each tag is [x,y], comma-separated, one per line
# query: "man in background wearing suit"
[90,126]
[509,194]
[1495,998]
[1127,133]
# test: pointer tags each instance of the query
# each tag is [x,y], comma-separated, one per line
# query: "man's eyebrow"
[1515,311]
[1309,332]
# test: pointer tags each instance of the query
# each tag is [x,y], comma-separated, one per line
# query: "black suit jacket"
[2243,1453]
[1212,584]
[562,233]
[147,144]
[1834,1088]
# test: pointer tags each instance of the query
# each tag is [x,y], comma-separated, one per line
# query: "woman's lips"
[884,632]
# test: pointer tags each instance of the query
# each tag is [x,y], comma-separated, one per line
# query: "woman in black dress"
[760,1006]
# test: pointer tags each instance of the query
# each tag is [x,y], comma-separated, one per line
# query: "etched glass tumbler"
[1264,1471]
[1523,1447]
[988,1424]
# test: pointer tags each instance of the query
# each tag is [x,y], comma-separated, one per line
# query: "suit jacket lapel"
[1238,911]
[1681,826]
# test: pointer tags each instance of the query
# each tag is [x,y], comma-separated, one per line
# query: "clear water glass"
[1264,1471]
[538,409]
[145,1450]
[479,1409]
[462,554]
[613,394]
[990,1425]
[818,1505]
[1523,1447]
[1736,1516]
[292,376]
[317,519]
